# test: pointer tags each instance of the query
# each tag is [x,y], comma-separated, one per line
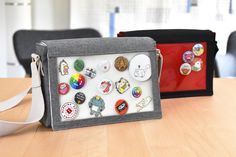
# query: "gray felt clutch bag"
[99,81]
[94,81]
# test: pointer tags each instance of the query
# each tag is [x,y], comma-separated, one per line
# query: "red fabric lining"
[171,79]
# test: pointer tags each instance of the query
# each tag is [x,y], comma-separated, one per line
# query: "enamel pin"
[122,85]
[96,105]
[143,103]
[63,68]
[197,64]
[90,72]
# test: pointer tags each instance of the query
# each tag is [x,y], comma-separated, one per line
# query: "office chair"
[231,44]
[226,65]
[24,41]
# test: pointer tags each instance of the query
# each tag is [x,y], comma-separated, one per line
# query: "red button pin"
[121,107]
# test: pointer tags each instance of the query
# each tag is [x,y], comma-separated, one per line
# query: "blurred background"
[109,17]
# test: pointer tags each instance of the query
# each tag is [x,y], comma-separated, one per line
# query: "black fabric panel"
[173,35]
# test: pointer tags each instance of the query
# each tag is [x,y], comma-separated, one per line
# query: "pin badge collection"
[139,68]
[192,60]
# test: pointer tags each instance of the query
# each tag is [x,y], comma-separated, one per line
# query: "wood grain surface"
[190,127]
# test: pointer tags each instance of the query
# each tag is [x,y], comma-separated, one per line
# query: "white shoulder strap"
[37,108]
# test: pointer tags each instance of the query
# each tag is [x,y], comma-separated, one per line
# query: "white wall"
[50,14]
[27,14]
[134,14]
[156,14]
[17,16]
[42,14]
[61,14]
[3,66]
[90,13]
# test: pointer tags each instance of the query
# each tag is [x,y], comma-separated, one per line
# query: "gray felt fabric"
[50,50]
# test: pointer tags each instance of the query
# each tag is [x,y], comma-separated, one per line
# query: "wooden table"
[190,127]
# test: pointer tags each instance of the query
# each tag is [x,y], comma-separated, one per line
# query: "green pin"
[79,65]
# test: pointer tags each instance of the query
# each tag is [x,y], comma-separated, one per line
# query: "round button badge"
[69,111]
[136,92]
[198,49]
[79,65]
[77,81]
[105,86]
[188,56]
[185,69]
[121,63]
[80,98]
[140,67]
[197,64]
[63,88]
[104,66]
[121,107]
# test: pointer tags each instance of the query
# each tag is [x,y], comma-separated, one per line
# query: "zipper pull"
[37,60]
[36,70]
[160,63]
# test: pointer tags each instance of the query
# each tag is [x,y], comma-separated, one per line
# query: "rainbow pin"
[136,92]
[77,81]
